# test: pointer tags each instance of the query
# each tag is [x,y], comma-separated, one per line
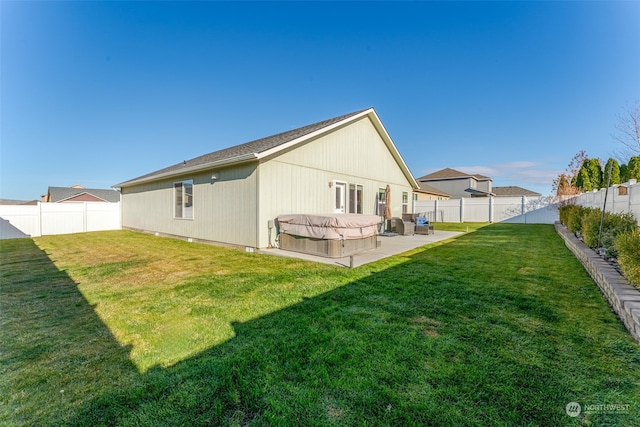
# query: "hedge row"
[620,236]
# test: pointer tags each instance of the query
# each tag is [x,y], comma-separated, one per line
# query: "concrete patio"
[389,245]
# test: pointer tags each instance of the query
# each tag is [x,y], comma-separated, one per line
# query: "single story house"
[232,196]
[426,193]
[78,193]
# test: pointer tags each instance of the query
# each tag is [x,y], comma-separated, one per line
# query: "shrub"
[617,225]
[591,227]
[613,225]
[628,245]
[571,216]
[566,213]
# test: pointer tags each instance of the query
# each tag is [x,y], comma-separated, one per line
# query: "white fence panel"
[536,210]
[58,218]
[507,208]
[103,216]
[449,211]
[440,210]
[19,221]
[618,203]
[525,210]
[615,202]
[62,218]
[634,201]
[476,209]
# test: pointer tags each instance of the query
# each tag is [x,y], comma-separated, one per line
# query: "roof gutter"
[197,168]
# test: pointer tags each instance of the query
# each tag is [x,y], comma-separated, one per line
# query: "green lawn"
[500,326]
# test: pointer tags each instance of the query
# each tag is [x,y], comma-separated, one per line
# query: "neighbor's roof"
[513,190]
[448,173]
[426,188]
[261,148]
[18,202]
[60,194]
[478,192]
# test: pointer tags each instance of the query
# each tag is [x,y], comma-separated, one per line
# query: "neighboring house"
[78,193]
[232,196]
[458,184]
[514,191]
[426,193]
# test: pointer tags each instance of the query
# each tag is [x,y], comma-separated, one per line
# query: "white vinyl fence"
[58,218]
[523,210]
[623,198]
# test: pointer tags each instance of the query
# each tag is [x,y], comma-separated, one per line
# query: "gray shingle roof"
[253,147]
[58,194]
[448,173]
[432,190]
[513,190]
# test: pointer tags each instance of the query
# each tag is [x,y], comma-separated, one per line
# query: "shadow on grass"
[55,349]
[422,342]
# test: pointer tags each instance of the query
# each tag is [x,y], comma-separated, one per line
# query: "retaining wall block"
[623,298]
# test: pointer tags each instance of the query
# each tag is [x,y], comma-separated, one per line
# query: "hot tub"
[332,236]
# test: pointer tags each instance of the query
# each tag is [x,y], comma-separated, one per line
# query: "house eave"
[475,191]
[259,156]
[193,169]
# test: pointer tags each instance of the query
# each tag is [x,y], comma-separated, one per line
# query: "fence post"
[84,217]
[523,209]
[613,198]
[490,209]
[39,218]
[435,210]
[461,209]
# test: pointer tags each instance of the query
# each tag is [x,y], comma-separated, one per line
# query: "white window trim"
[337,182]
[186,181]
[356,186]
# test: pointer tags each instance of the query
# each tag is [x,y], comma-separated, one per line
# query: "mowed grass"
[501,326]
[463,227]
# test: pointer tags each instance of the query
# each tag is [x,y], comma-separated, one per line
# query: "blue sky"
[96,93]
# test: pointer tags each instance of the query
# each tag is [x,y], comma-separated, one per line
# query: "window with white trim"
[355,198]
[183,199]
[382,193]
[405,202]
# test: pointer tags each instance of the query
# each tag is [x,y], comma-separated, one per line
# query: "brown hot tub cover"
[330,227]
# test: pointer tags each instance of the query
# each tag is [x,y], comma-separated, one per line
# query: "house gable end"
[270,146]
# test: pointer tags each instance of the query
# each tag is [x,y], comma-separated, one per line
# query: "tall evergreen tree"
[624,173]
[613,167]
[633,168]
[583,181]
[595,173]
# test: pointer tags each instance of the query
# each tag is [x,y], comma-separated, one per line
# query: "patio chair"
[422,225]
[405,228]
